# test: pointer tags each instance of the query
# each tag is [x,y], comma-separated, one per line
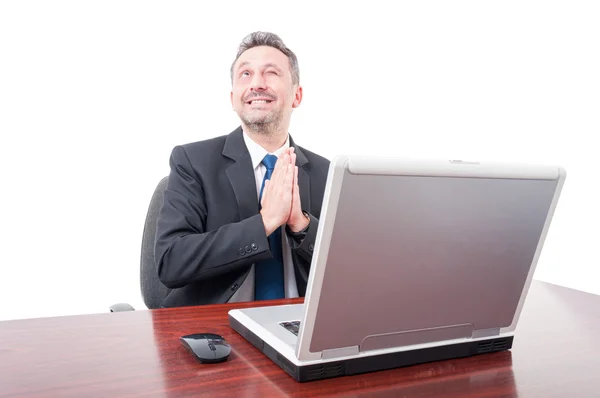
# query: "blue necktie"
[268,273]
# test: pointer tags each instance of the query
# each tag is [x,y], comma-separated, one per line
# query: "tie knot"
[269,161]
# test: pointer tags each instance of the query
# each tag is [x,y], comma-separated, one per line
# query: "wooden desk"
[138,354]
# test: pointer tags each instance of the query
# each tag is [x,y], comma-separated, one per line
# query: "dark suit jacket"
[209,230]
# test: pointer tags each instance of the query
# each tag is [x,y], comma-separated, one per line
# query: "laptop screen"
[449,255]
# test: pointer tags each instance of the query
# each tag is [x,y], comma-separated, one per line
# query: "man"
[216,242]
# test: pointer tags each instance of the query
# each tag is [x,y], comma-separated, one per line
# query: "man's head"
[265,82]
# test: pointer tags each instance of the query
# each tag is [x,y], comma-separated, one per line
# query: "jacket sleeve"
[184,250]
[304,244]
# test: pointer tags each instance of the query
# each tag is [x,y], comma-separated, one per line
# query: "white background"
[94,95]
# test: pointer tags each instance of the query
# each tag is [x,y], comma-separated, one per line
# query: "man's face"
[263,94]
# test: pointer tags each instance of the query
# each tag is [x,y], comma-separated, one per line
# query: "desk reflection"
[249,373]
[138,354]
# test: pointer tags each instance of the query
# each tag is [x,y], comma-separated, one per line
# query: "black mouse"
[206,347]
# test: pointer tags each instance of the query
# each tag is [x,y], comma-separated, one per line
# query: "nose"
[258,82]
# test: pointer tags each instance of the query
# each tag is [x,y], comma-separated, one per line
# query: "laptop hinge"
[339,352]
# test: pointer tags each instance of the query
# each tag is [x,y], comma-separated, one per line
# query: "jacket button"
[248,250]
[242,252]
[254,246]
[235,286]
[311,247]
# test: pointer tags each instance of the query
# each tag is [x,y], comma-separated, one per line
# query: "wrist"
[301,225]
[268,224]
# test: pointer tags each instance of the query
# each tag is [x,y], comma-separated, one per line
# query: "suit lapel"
[241,174]
[303,178]
[243,182]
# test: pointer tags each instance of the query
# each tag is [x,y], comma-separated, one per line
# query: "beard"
[263,124]
[258,121]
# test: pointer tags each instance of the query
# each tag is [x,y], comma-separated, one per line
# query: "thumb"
[264,192]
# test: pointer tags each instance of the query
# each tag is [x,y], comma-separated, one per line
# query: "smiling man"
[241,211]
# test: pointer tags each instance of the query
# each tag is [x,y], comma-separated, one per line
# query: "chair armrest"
[120,307]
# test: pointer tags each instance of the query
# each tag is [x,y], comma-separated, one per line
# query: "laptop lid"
[414,252]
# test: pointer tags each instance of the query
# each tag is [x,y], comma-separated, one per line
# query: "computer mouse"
[206,347]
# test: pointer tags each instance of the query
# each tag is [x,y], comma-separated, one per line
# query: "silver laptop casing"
[428,257]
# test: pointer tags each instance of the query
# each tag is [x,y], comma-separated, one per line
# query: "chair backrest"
[153,291]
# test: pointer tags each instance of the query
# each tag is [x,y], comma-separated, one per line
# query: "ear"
[231,98]
[297,97]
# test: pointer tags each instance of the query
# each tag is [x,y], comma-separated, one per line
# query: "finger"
[278,166]
[295,185]
[283,163]
[289,181]
[296,175]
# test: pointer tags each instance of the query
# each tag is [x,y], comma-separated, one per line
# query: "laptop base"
[373,363]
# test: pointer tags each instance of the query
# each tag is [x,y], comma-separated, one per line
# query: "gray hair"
[256,39]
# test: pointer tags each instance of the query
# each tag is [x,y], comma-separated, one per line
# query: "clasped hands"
[280,203]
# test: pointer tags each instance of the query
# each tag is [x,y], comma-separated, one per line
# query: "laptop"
[414,261]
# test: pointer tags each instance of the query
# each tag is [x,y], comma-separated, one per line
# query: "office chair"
[153,291]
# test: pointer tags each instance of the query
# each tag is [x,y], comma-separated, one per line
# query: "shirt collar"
[258,153]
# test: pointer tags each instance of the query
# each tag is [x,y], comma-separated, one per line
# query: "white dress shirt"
[257,154]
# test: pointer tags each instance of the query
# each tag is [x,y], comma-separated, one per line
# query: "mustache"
[260,95]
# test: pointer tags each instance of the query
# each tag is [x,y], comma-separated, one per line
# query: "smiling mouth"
[258,102]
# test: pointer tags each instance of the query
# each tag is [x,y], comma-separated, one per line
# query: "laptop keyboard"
[291,326]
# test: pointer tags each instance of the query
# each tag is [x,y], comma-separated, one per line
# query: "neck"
[270,141]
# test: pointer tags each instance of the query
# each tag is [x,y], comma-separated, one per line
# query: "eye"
[245,73]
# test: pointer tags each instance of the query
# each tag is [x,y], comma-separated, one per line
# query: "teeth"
[259,102]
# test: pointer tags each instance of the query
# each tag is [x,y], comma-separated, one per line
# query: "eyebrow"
[268,65]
